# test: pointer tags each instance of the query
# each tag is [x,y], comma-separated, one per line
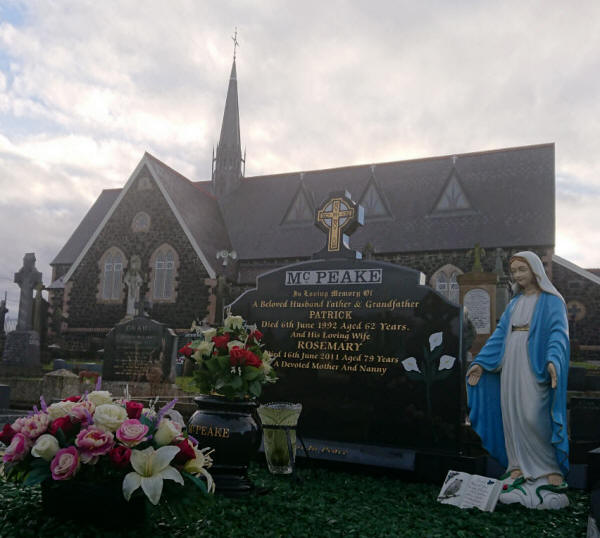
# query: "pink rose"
[81,411]
[132,432]
[65,464]
[18,448]
[93,443]
[32,426]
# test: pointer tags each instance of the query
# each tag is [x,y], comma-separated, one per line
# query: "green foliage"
[325,504]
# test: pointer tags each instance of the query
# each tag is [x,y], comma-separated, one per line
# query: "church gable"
[172,275]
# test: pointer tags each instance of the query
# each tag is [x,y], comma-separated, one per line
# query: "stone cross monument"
[27,279]
[21,354]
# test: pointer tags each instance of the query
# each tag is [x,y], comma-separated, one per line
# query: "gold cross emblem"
[335,216]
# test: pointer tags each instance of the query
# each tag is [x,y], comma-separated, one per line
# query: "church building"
[181,248]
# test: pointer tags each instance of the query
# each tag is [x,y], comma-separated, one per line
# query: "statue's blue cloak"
[548,342]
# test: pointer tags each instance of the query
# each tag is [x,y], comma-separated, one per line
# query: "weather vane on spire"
[235,42]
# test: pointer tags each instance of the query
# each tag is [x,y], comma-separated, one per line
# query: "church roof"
[86,228]
[505,198]
[508,193]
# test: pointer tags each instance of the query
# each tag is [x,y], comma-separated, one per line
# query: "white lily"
[151,467]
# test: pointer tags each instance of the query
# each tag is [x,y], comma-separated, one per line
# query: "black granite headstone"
[370,351]
[584,419]
[141,350]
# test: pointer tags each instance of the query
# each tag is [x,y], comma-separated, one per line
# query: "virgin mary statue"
[517,390]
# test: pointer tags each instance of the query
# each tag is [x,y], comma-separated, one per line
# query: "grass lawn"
[326,503]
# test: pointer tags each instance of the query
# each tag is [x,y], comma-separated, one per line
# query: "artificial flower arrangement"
[96,438]
[231,360]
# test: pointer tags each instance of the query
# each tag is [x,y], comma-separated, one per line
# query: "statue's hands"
[474,374]
[553,376]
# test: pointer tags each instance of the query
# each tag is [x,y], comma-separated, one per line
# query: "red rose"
[64,423]
[186,452]
[221,341]
[236,356]
[119,456]
[251,359]
[186,350]
[243,357]
[72,399]
[134,409]
[257,335]
[7,434]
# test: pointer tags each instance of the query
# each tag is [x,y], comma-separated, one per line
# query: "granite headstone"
[140,350]
[371,352]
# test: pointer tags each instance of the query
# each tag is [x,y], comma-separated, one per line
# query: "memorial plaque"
[141,350]
[477,303]
[371,352]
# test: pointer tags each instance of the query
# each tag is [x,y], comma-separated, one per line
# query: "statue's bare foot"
[516,473]
[555,479]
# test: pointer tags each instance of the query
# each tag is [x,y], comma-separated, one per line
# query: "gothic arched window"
[111,275]
[164,264]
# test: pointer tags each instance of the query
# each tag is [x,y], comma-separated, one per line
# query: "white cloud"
[87,87]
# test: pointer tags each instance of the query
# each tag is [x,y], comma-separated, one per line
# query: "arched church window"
[164,264]
[111,278]
[141,222]
[445,281]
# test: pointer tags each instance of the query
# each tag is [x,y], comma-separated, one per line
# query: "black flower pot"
[80,501]
[232,429]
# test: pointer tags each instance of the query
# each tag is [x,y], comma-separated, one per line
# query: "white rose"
[204,349]
[59,409]
[45,447]
[234,322]
[100,397]
[166,432]
[209,333]
[109,417]
[234,343]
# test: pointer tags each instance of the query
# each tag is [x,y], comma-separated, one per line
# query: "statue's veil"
[538,270]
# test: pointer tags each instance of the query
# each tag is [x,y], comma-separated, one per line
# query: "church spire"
[228,161]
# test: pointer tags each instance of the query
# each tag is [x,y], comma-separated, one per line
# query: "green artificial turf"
[325,503]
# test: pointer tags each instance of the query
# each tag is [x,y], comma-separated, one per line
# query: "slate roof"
[198,207]
[511,192]
[84,231]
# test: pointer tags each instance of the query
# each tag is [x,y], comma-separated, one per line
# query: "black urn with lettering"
[230,427]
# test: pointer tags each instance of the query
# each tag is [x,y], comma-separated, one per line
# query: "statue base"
[21,354]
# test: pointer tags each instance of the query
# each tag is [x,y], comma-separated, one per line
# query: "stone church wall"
[84,308]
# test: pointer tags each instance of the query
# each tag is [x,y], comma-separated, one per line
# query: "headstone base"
[21,354]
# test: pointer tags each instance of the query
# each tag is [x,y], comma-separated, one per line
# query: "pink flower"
[32,426]
[94,442]
[18,448]
[65,464]
[132,432]
[80,411]
[7,434]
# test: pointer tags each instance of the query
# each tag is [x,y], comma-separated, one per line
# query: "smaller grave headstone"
[584,419]
[21,355]
[4,396]
[140,350]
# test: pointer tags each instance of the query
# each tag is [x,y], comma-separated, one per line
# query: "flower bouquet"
[231,360]
[96,439]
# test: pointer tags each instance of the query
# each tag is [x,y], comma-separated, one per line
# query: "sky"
[86,87]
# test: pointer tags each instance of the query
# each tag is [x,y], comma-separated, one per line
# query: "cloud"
[87,87]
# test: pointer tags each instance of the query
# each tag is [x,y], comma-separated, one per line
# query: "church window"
[111,282]
[453,198]
[141,222]
[164,266]
[445,281]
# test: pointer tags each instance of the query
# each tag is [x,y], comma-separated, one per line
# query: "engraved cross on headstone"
[27,278]
[339,216]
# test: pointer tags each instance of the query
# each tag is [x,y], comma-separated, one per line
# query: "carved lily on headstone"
[432,367]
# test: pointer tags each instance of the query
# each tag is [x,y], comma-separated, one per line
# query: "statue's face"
[522,274]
